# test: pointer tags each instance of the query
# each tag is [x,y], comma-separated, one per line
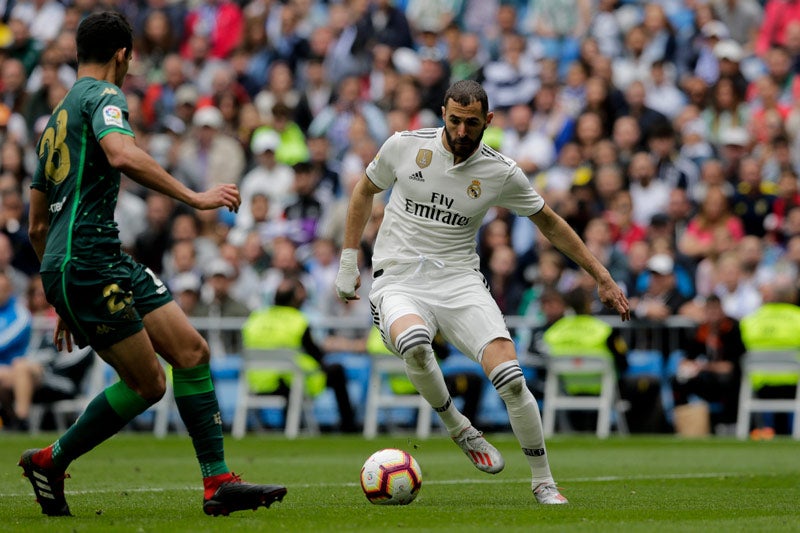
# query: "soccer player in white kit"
[425,266]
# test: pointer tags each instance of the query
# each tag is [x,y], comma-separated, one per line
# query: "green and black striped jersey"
[74,173]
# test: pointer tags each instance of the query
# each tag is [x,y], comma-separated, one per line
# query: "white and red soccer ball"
[391,477]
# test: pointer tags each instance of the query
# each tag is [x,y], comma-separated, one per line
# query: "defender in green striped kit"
[103,297]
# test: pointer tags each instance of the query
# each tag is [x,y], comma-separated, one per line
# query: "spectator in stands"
[316,92]
[635,97]
[597,237]
[671,168]
[549,116]
[512,79]
[743,19]
[714,222]
[13,79]
[632,65]
[533,150]
[287,38]
[778,14]
[209,156]
[754,198]
[710,368]
[661,35]
[661,298]
[269,177]
[152,244]
[624,229]
[42,374]
[15,322]
[185,288]
[726,109]
[335,119]
[14,224]
[217,302]
[739,296]
[18,278]
[303,216]
[158,39]
[649,195]
[284,325]
[163,96]
[221,21]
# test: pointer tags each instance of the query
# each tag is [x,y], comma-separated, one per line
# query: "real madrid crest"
[424,158]
[474,190]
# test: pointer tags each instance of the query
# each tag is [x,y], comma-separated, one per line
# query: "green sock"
[197,404]
[105,415]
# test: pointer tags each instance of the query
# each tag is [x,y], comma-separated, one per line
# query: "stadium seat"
[298,406]
[605,403]
[761,362]
[380,396]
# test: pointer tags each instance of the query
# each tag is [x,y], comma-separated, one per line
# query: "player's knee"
[195,352]
[508,379]
[152,390]
[414,344]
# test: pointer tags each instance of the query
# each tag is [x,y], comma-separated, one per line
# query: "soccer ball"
[391,477]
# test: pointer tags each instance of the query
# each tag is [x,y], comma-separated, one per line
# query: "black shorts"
[104,304]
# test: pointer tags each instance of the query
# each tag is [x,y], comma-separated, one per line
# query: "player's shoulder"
[94,88]
[420,134]
[490,156]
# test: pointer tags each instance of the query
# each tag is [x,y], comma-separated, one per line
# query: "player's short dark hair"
[465,92]
[101,34]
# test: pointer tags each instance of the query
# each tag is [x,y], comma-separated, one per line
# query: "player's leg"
[411,338]
[98,307]
[500,363]
[141,385]
[185,349]
[471,320]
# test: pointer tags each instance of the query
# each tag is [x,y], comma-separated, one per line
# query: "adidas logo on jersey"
[416,176]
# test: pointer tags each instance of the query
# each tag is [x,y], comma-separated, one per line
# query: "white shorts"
[454,302]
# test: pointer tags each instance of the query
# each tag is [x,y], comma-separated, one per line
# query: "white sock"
[426,375]
[526,422]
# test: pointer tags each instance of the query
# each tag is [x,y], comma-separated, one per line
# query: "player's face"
[464,127]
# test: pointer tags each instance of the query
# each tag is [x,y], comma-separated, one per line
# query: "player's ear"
[443,114]
[121,55]
[489,117]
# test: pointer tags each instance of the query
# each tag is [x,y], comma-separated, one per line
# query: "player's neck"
[105,72]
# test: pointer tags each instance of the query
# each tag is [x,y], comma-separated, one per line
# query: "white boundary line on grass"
[491,481]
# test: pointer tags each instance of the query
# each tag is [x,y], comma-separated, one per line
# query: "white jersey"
[437,207]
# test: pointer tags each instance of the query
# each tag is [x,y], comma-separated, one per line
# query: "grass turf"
[137,483]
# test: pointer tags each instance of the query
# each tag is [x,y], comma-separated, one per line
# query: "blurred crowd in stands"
[667,133]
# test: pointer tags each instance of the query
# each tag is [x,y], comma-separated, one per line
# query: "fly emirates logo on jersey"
[439,209]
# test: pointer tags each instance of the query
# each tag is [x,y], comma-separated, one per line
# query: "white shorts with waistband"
[453,301]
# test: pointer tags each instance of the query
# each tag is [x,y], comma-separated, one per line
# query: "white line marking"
[489,481]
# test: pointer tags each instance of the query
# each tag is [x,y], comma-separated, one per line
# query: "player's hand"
[224,195]
[62,335]
[348,279]
[613,297]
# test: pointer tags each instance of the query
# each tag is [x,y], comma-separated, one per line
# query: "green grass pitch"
[140,484]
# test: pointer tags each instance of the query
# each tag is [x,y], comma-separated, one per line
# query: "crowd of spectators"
[668,128]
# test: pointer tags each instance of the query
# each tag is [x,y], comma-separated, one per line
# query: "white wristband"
[349,257]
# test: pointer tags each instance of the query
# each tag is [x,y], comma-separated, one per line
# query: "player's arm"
[358,212]
[123,154]
[38,221]
[565,239]
[38,226]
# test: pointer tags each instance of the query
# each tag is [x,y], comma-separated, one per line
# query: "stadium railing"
[651,345]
